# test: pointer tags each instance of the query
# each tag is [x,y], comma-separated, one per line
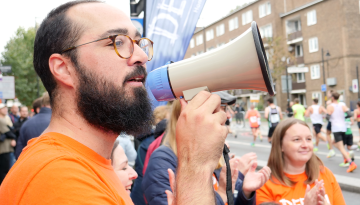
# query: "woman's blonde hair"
[170,136]
[160,113]
[276,159]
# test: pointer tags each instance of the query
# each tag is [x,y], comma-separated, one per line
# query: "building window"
[220,30]
[199,39]
[293,26]
[209,35]
[300,77]
[266,31]
[264,9]
[302,99]
[318,96]
[311,17]
[192,43]
[313,45]
[220,44]
[315,71]
[298,50]
[233,24]
[209,49]
[247,17]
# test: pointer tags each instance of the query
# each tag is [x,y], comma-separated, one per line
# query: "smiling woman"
[298,176]
[119,161]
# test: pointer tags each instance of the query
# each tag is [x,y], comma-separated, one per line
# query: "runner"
[328,129]
[336,114]
[348,141]
[259,131]
[357,119]
[253,116]
[289,110]
[298,110]
[315,112]
[273,115]
[229,113]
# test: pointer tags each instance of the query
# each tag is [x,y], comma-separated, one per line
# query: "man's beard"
[107,106]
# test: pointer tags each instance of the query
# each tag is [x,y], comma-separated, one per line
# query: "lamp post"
[287,83]
[286,60]
[323,66]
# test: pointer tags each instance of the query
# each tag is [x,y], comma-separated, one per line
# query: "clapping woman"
[298,176]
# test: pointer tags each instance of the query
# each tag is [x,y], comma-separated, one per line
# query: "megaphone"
[240,64]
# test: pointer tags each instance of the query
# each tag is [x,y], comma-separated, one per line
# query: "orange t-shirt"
[295,195]
[56,169]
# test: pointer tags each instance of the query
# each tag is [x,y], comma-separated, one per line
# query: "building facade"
[312,31]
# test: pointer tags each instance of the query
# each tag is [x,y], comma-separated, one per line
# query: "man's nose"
[139,57]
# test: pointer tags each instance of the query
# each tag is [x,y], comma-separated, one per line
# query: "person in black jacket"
[156,179]
[24,113]
[161,114]
[34,126]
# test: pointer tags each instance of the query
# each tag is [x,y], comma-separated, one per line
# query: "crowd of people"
[77,149]
[18,127]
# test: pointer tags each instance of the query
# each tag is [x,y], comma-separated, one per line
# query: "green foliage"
[260,105]
[277,53]
[19,55]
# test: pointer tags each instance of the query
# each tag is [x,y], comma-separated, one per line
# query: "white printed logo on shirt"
[299,201]
[253,119]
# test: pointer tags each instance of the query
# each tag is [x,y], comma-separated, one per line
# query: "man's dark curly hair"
[56,33]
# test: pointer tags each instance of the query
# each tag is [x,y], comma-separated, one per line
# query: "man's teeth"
[137,79]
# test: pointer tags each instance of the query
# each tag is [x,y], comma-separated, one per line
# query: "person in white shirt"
[336,113]
[315,112]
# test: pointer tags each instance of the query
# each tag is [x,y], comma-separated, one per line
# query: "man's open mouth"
[139,79]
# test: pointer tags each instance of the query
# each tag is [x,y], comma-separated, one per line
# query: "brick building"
[311,30]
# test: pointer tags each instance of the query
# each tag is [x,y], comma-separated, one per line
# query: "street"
[241,145]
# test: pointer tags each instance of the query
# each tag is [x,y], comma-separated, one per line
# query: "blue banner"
[170,25]
[139,24]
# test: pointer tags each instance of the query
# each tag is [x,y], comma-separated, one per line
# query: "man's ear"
[62,69]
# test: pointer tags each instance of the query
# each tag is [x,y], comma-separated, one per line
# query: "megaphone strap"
[229,193]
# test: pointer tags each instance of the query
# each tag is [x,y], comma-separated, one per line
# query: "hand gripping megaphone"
[240,64]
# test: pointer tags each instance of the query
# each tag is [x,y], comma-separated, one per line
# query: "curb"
[346,183]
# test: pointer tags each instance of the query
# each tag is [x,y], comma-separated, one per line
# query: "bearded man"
[92,62]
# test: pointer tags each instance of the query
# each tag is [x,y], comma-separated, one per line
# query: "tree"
[277,54]
[19,55]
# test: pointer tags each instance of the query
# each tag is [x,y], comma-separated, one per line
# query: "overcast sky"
[24,13]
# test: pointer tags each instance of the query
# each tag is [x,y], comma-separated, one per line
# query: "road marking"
[268,146]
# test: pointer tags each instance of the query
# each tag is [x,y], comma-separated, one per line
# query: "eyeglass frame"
[113,37]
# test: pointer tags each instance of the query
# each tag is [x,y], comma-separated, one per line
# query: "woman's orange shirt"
[294,195]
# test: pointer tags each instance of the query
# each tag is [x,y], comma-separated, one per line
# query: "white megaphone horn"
[240,64]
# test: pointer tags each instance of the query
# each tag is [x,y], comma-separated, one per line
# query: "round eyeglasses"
[124,46]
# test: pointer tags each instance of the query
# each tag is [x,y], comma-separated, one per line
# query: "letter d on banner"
[170,25]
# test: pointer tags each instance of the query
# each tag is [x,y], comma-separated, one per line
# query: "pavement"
[349,182]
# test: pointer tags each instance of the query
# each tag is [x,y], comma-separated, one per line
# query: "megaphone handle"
[190,94]
[229,193]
